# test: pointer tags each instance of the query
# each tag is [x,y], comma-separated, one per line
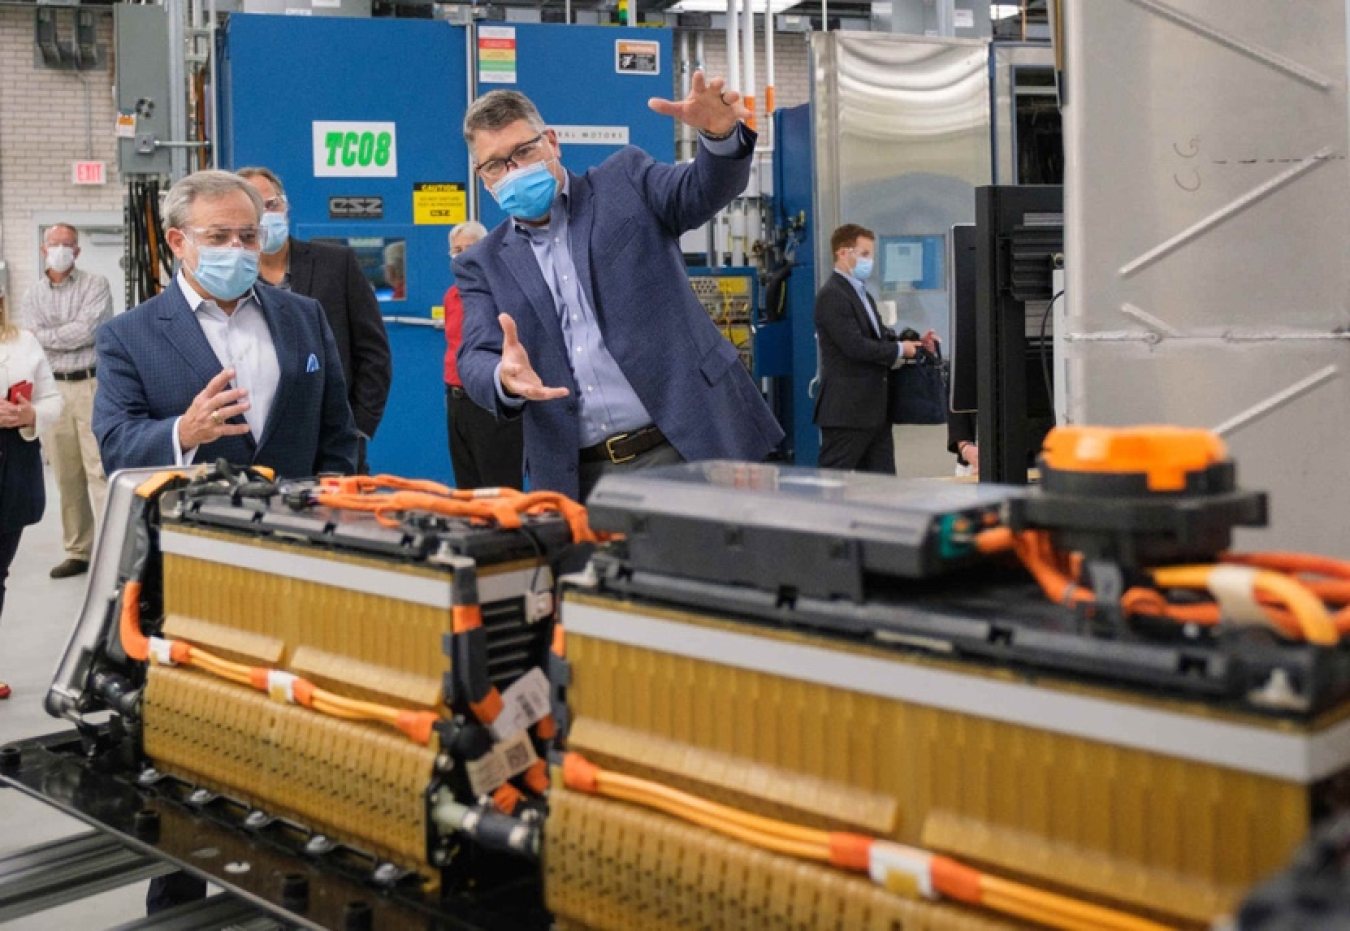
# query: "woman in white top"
[29,404]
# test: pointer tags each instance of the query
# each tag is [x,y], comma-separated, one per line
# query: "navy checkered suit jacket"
[153,360]
[625,218]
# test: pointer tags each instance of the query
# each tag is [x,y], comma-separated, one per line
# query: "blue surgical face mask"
[226,272]
[527,193]
[276,228]
[863,269]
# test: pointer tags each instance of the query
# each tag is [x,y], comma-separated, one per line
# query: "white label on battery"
[517,754]
[524,703]
[509,758]
[486,773]
[538,604]
[355,150]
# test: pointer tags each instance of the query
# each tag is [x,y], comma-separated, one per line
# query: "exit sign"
[88,173]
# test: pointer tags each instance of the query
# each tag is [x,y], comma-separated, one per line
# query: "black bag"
[919,390]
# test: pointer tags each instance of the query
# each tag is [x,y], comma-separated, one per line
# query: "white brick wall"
[791,65]
[42,130]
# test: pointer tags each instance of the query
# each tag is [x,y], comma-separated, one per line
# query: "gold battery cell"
[1168,808]
[614,867]
[364,627]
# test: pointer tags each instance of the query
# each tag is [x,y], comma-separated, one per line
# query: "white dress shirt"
[242,341]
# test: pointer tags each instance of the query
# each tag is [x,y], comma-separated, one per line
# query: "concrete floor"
[39,613]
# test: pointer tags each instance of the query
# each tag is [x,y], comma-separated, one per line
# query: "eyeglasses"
[275,203]
[527,153]
[250,237]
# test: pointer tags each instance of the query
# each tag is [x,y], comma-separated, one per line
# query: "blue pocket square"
[313,364]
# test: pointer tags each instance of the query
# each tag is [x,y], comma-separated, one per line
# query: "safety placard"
[355,150]
[439,204]
[496,54]
[633,57]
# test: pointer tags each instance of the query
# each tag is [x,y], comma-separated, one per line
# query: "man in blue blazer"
[578,314]
[219,366]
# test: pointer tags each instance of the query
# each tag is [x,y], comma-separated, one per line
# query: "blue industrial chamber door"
[361,120]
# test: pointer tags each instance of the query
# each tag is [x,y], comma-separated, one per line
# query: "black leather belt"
[622,447]
[456,391]
[81,375]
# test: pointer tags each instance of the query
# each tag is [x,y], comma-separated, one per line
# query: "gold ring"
[215,418]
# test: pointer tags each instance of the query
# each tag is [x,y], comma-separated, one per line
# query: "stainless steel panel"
[901,141]
[1206,210]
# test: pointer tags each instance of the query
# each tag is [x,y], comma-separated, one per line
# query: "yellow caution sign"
[439,204]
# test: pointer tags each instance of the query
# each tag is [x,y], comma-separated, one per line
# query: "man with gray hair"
[578,314]
[63,310]
[220,366]
[485,452]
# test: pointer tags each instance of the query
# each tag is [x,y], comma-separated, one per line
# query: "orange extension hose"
[502,505]
[855,852]
[1294,607]
[417,725]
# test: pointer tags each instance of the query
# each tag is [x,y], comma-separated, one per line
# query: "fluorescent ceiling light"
[720,6]
[1004,10]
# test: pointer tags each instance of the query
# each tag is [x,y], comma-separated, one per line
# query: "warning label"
[439,204]
[633,57]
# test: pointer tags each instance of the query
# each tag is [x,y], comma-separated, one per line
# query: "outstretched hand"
[518,375]
[708,108]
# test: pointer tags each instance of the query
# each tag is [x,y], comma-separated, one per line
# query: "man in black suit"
[331,275]
[857,353]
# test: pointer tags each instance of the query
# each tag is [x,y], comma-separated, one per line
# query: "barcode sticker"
[506,759]
[518,755]
[524,703]
[486,773]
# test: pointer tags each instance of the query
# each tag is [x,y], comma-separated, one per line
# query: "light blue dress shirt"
[607,402]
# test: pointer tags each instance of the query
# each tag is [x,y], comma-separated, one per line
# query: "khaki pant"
[79,471]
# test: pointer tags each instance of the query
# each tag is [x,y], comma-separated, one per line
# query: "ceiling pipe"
[769,26]
[748,58]
[733,75]
[685,136]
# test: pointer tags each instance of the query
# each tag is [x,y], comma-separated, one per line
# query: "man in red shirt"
[485,452]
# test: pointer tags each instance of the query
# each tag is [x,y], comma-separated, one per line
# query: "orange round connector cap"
[1164,454]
